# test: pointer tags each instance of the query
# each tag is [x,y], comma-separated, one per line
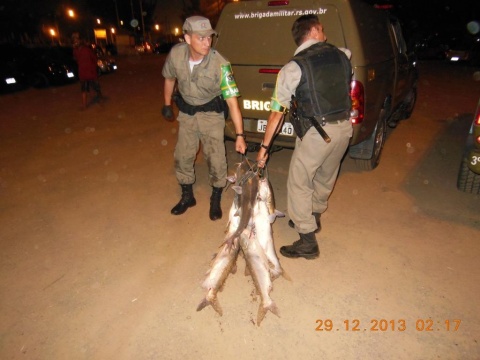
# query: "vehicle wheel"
[377,141]
[409,104]
[467,180]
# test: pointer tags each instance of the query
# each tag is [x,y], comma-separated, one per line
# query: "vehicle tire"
[409,104]
[377,140]
[467,180]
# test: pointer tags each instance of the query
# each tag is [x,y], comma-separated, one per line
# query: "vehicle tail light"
[357,95]
[477,116]
[269,71]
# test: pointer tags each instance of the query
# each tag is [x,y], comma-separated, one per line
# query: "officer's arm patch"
[228,85]
[276,106]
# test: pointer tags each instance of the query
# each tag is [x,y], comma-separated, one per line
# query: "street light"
[52,33]
[71,13]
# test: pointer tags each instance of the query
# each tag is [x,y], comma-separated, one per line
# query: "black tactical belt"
[217,104]
[333,118]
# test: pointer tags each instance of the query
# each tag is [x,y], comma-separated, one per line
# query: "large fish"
[234,214]
[264,214]
[223,264]
[257,264]
[246,188]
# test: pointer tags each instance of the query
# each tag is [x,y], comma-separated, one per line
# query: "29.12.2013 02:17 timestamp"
[384,325]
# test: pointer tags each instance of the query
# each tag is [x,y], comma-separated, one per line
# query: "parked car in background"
[12,76]
[51,66]
[164,44]
[144,47]
[38,66]
[430,47]
[469,173]
[465,51]
[106,63]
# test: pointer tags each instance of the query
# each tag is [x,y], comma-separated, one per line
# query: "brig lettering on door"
[256,105]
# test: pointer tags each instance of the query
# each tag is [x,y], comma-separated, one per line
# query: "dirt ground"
[94,266]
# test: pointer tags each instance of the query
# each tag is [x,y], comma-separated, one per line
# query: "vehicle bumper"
[254,136]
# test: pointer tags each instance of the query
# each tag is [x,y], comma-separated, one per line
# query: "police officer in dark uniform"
[318,80]
[206,91]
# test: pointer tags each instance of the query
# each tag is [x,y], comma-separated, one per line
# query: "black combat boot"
[306,247]
[215,209]
[186,201]
[317,220]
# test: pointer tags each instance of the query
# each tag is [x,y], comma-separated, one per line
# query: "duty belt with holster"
[301,124]
[217,105]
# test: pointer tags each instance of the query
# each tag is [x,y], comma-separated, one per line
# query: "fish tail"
[262,311]
[261,314]
[214,303]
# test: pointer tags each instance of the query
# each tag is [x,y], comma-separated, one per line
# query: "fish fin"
[215,305]
[273,308]
[232,179]
[237,189]
[229,243]
[262,311]
[271,265]
[278,213]
[271,218]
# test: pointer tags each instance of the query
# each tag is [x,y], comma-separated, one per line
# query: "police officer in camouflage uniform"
[206,93]
[319,78]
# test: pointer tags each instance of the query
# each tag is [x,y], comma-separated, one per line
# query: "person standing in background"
[87,69]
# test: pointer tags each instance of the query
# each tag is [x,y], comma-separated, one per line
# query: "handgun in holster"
[295,120]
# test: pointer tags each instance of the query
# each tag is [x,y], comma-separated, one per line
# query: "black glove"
[167,112]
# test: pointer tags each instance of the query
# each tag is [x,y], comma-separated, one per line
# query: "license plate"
[287,128]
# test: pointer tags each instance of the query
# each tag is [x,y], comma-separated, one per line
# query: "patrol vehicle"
[255,36]
[469,173]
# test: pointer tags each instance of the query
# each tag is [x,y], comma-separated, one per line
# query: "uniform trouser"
[313,171]
[207,128]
